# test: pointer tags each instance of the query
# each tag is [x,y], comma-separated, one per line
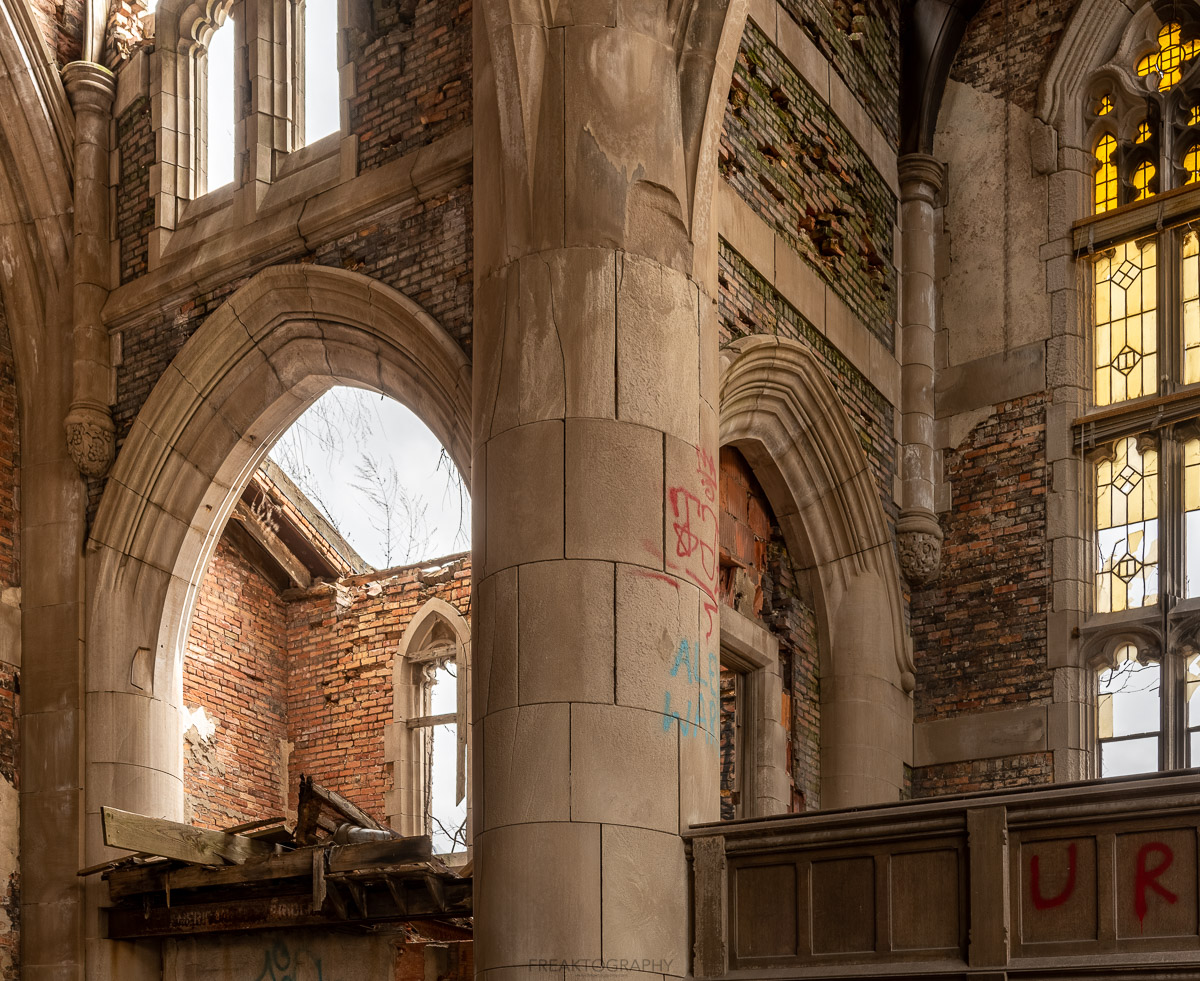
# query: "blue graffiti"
[701,717]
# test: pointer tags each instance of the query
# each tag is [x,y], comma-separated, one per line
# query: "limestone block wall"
[342,642]
[791,158]
[236,670]
[413,76]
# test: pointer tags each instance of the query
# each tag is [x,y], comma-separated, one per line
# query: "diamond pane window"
[1106,174]
[1126,338]
[1129,715]
[1127,528]
[1190,295]
[1170,59]
[1191,517]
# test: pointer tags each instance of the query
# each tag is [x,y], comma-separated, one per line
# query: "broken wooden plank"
[123,883]
[310,790]
[318,879]
[171,839]
[398,851]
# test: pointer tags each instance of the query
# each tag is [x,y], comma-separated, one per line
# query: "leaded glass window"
[1127,528]
[1130,717]
[1126,338]
[1106,173]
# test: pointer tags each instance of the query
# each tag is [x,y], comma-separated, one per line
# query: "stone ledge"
[984,735]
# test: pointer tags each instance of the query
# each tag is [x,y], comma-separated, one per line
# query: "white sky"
[344,430]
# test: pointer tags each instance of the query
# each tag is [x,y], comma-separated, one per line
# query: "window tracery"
[1143,116]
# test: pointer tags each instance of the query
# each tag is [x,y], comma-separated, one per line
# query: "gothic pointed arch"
[268,352]
[780,411]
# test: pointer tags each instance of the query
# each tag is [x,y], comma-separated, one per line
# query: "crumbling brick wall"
[61,26]
[236,669]
[759,580]
[342,644]
[1008,46]
[790,158]
[748,304]
[979,631]
[861,40]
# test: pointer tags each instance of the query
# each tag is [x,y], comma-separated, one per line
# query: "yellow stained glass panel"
[1125,298]
[1172,55]
[1142,176]
[1191,164]
[1127,528]
[1191,520]
[1106,174]
[1104,105]
[1142,134]
[1190,294]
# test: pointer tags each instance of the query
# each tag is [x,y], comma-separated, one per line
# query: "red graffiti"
[707,470]
[1035,884]
[692,538]
[1146,877]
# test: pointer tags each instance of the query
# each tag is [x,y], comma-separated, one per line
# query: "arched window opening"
[322,107]
[289,668]
[218,112]
[1130,718]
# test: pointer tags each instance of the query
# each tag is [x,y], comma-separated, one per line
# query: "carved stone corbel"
[919,541]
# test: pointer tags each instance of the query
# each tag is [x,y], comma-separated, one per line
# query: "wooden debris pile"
[337,867]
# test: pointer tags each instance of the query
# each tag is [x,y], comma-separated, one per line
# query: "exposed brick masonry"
[979,632]
[861,40]
[236,668]
[413,77]
[10,464]
[135,208]
[1007,46]
[790,158]
[61,24]
[758,579]
[10,676]
[748,304]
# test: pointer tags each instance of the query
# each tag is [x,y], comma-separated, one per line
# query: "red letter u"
[1035,885]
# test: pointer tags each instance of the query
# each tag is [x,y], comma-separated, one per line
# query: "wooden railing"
[1099,878]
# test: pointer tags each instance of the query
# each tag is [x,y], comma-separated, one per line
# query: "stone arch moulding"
[780,411]
[278,343]
[404,803]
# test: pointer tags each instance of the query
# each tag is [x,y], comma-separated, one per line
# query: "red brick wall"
[751,542]
[135,207]
[413,76]
[236,668]
[10,886]
[10,463]
[979,631]
[342,643]
[61,25]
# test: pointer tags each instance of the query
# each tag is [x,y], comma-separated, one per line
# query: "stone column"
[596,635]
[918,532]
[90,431]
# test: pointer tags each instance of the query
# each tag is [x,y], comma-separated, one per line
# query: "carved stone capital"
[91,439]
[921,177]
[919,540]
[91,87]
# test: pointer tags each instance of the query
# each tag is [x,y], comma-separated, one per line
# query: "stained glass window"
[1130,718]
[1191,517]
[1104,105]
[1191,164]
[1106,173]
[1142,134]
[1127,528]
[1172,55]
[1143,174]
[1126,323]
[1190,295]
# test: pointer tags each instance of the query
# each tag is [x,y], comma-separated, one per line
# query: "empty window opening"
[321,101]
[444,804]
[733,741]
[1130,720]
[218,113]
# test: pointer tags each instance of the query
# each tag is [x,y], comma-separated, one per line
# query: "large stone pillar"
[918,532]
[595,484]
